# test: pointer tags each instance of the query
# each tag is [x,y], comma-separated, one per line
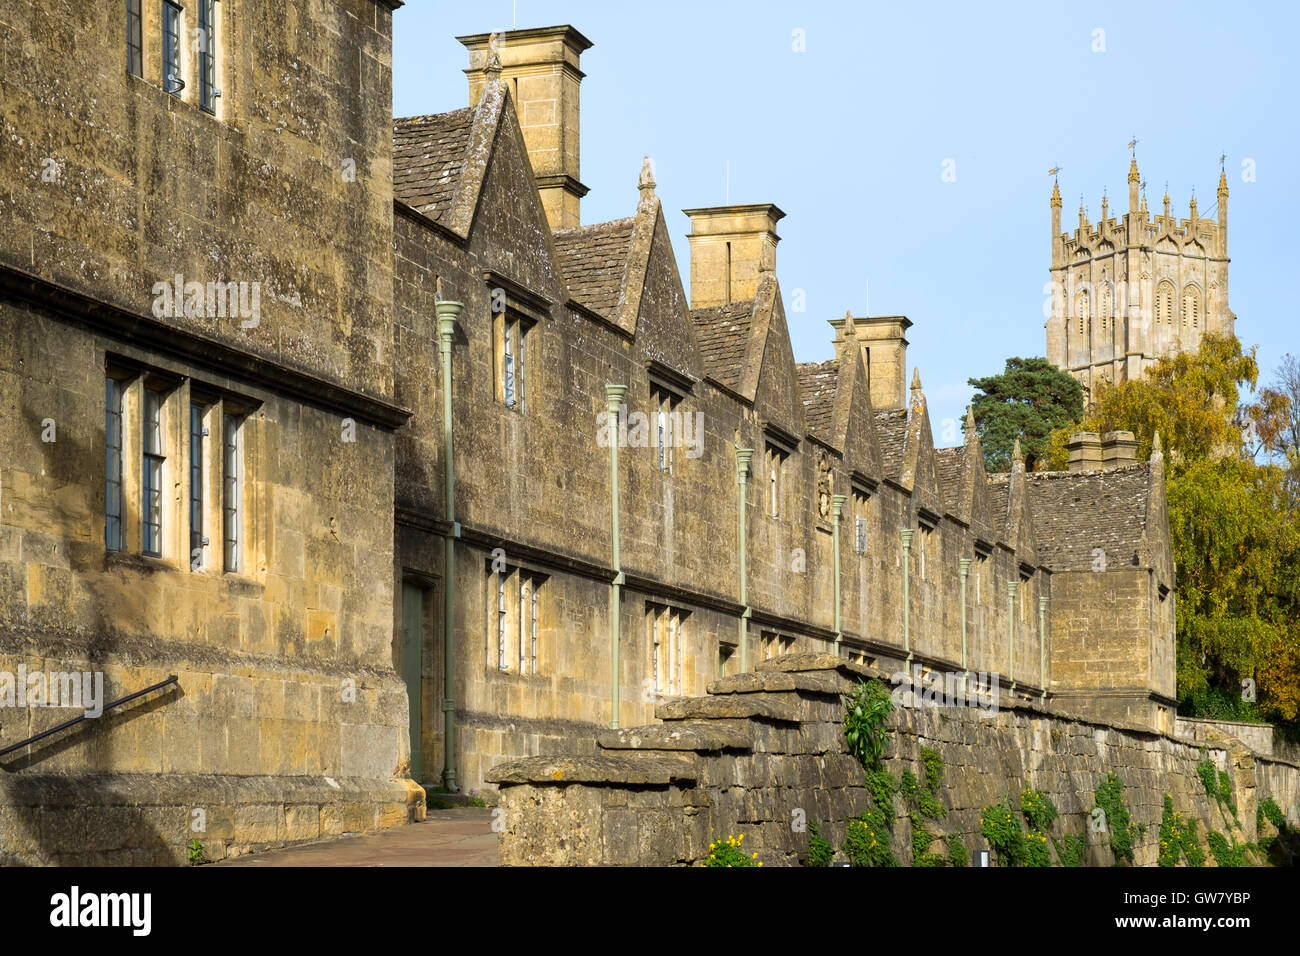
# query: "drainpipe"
[907,593]
[743,457]
[1012,587]
[1042,654]
[837,509]
[613,400]
[964,566]
[447,313]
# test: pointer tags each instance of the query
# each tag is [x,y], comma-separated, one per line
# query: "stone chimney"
[730,246]
[1118,449]
[541,68]
[1085,451]
[1088,452]
[882,342]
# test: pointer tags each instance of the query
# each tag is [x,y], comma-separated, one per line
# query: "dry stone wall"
[764,751]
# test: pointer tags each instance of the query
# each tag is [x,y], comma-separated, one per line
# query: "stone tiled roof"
[999,501]
[428,159]
[592,260]
[1075,512]
[948,464]
[722,333]
[891,430]
[817,382]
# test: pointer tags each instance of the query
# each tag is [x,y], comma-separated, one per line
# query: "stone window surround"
[178,393]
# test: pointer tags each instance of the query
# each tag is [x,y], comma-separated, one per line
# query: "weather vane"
[1054,171]
[1132,146]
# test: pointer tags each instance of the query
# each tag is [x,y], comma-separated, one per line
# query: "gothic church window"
[1081,311]
[1165,303]
[1191,307]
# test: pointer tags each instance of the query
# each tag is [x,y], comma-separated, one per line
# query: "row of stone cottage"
[261,508]
[858,535]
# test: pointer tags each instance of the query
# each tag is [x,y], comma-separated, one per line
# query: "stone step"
[596,769]
[813,662]
[728,706]
[677,736]
[774,681]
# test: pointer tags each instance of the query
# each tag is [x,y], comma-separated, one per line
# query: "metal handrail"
[76,720]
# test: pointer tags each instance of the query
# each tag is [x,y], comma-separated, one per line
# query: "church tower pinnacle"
[1125,293]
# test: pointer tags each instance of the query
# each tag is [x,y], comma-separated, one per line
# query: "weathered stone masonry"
[762,746]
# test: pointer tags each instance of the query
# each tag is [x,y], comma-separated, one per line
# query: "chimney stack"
[541,68]
[730,246]
[1088,452]
[1118,449]
[1085,451]
[882,341]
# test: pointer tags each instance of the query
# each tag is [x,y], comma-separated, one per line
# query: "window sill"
[137,562]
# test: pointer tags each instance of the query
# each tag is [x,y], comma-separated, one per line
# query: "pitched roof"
[592,261]
[891,432]
[817,382]
[999,503]
[948,463]
[1076,512]
[429,154]
[722,333]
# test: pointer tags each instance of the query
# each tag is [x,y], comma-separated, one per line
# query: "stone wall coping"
[598,769]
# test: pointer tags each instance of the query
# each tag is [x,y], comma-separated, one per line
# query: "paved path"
[460,837]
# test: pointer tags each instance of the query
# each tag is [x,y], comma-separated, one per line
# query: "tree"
[1190,398]
[1236,542]
[1026,402]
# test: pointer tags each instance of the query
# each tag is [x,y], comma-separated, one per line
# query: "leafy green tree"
[1236,541]
[1026,402]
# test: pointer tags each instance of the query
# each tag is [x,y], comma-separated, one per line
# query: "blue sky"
[849,138]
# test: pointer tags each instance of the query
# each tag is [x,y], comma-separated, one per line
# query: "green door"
[412,647]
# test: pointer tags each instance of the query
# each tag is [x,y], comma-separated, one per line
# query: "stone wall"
[762,747]
[288,721]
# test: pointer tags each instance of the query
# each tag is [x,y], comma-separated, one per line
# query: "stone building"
[749,506]
[1127,290]
[249,487]
[197,478]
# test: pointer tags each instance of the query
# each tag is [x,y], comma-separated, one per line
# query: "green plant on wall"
[868,835]
[1124,833]
[1178,838]
[1071,850]
[865,712]
[1001,828]
[728,852]
[923,799]
[1015,846]
[820,851]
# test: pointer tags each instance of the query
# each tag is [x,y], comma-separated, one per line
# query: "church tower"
[1127,289]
